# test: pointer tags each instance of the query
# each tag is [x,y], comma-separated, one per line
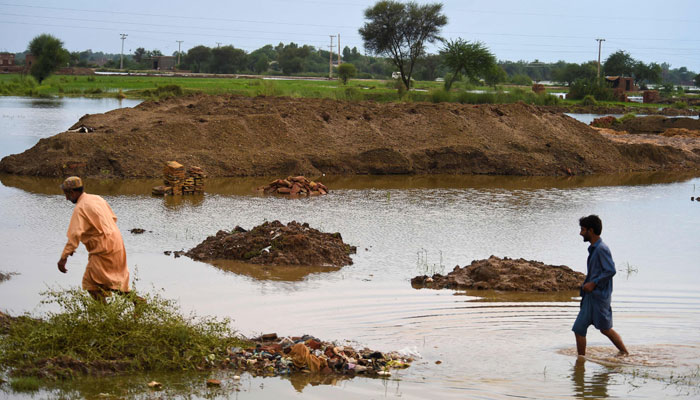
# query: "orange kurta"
[94,224]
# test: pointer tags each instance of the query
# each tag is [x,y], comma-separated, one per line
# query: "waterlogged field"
[471,344]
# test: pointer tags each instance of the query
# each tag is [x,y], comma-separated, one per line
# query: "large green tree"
[401,31]
[570,72]
[49,56]
[227,60]
[472,60]
[619,63]
[197,57]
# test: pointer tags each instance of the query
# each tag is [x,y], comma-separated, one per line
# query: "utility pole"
[330,63]
[218,44]
[179,42]
[600,43]
[121,58]
[339,50]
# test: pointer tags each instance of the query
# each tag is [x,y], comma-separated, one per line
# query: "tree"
[346,71]
[197,57]
[495,75]
[472,60]
[570,72]
[227,59]
[697,80]
[291,57]
[400,31]
[619,63]
[139,54]
[49,56]
[647,73]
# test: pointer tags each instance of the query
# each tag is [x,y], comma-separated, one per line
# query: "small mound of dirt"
[274,243]
[137,231]
[654,124]
[505,274]
[681,132]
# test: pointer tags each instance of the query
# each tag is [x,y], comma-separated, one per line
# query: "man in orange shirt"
[94,224]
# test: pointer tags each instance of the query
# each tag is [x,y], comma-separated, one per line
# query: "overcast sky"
[547,30]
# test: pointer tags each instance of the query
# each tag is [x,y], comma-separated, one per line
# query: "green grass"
[158,87]
[25,384]
[88,337]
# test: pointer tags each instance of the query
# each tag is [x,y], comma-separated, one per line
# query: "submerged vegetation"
[125,335]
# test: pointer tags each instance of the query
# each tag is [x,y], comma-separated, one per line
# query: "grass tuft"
[88,337]
[25,384]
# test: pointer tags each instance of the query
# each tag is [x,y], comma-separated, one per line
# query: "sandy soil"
[507,274]
[240,136]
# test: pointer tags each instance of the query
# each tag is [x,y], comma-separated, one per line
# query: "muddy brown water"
[490,345]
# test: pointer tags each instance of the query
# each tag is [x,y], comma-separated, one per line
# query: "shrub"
[346,71]
[681,105]
[521,79]
[440,96]
[626,117]
[123,335]
[594,87]
[589,100]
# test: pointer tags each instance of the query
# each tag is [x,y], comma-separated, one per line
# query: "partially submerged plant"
[125,334]
[428,269]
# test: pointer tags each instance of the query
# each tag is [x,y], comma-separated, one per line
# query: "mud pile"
[274,243]
[274,136]
[5,276]
[654,124]
[283,356]
[505,274]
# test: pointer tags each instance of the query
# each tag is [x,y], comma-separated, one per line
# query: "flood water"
[490,345]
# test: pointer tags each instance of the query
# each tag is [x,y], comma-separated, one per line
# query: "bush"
[346,71]
[594,87]
[440,96]
[521,79]
[164,92]
[626,117]
[589,100]
[126,334]
[681,105]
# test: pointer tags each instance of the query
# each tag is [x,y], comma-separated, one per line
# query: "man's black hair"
[592,221]
[77,190]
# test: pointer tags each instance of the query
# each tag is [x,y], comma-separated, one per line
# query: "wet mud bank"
[274,243]
[505,274]
[237,136]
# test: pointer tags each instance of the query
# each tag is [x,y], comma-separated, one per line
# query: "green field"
[158,87]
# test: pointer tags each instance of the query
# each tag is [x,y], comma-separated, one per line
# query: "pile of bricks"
[176,182]
[195,180]
[294,186]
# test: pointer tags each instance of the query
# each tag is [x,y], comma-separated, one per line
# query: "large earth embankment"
[240,136]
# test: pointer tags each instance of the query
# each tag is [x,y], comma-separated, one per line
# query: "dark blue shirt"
[601,269]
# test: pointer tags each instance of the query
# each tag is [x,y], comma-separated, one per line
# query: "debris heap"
[294,186]
[176,182]
[274,243]
[282,356]
[507,274]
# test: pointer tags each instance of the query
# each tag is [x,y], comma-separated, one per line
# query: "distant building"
[7,59]
[626,84]
[163,63]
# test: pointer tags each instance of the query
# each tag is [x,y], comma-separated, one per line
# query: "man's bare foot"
[622,354]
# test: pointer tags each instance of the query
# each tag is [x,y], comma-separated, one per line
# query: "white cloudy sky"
[548,30]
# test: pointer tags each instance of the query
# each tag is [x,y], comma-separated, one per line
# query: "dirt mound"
[681,132]
[241,136]
[274,243]
[653,124]
[6,275]
[505,274]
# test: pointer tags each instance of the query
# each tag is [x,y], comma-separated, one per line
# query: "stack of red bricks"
[176,182]
[295,186]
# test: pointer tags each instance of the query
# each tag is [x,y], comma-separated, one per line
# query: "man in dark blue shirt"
[596,291]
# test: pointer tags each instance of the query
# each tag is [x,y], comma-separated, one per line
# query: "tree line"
[395,36]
